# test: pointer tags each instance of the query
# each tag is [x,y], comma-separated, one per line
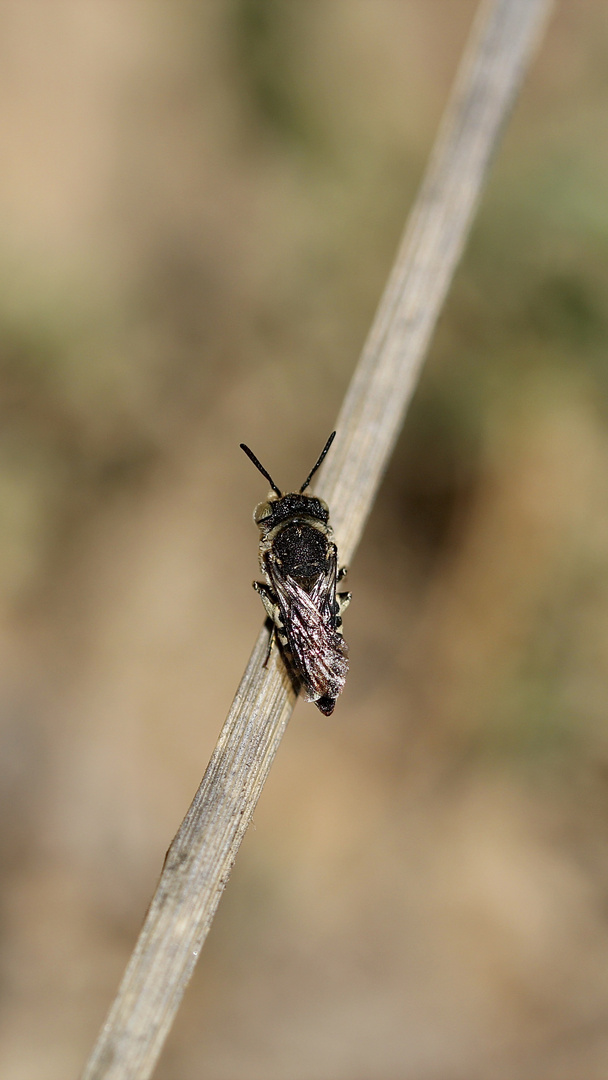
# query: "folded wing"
[319,652]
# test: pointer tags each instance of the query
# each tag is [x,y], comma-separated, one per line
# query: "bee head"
[275,510]
[279,507]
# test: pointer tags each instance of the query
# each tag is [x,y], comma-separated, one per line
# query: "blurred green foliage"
[266,36]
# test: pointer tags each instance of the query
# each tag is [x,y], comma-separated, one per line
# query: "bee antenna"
[261,468]
[319,462]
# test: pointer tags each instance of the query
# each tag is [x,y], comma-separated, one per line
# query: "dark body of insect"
[299,561]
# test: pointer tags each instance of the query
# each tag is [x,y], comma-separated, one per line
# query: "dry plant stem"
[202,854]
[501,44]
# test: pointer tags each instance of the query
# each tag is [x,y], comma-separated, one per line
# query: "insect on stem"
[299,561]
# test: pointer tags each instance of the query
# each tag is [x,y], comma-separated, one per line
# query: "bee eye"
[324,505]
[261,512]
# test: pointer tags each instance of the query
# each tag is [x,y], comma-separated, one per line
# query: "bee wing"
[323,592]
[319,651]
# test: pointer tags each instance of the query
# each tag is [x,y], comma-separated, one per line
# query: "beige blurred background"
[199,205]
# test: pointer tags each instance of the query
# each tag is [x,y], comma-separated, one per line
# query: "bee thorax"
[301,552]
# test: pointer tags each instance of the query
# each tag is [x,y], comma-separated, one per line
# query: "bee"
[299,562]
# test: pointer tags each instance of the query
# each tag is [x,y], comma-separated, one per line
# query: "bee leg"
[342,572]
[343,600]
[274,614]
[270,644]
[267,599]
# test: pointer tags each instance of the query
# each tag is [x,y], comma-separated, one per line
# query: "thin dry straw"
[202,854]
